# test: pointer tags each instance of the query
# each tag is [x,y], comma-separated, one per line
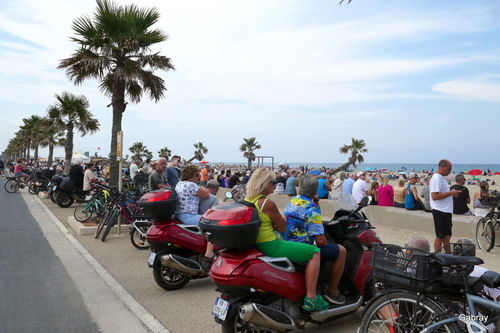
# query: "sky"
[417,80]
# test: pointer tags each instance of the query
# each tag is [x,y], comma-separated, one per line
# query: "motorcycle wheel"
[167,278]
[52,196]
[139,241]
[236,325]
[64,200]
[33,189]
[11,186]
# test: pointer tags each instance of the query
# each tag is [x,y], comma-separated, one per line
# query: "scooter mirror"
[229,195]
[365,201]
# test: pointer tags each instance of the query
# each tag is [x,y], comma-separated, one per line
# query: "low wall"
[463,225]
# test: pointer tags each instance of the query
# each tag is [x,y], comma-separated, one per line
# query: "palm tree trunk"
[118,102]
[249,164]
[68,148]
[36,153]
[51,155]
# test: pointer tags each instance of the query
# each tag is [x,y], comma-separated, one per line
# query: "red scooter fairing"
[253,269]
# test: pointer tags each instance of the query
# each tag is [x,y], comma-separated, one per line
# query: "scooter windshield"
[342,200]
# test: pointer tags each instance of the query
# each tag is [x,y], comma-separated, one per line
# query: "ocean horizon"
[415,167]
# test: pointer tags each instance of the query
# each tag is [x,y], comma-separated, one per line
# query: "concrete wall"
[463,226]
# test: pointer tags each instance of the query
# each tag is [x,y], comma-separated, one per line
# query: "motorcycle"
[67,193]
[41,181]
[261,293]
[177,249]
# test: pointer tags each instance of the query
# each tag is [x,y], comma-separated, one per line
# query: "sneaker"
[317,304]
[334,298]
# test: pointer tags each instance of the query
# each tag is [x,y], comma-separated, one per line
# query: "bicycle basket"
[491,200]
[405,267]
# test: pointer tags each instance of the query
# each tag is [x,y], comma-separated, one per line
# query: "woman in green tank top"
[262,183]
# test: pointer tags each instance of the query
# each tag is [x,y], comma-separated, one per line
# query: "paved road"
[49,283]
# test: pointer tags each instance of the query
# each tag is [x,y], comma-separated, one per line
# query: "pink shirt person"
[385,193]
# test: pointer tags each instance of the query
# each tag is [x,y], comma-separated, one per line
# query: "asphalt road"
[47,285]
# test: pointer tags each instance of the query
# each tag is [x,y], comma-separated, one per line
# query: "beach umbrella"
[315,172]
[403,168]
[496,173]
[403,173]
[369,169]
[475,172]
[383,170]
[203,162]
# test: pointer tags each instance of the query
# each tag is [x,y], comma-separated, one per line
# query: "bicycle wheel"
[11,186]
[485,234]
[404,312]
[104,220]
[139,240]
[84,211]
[111,222]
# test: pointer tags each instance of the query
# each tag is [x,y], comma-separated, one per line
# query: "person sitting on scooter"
[261,184]
[188,194]
[304,225]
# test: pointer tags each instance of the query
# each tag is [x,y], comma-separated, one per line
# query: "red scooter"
[261,293]
[177,249]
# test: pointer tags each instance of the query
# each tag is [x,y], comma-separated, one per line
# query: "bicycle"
[127,208]
[95,205]
[13,184]
[488,226]
[422,289]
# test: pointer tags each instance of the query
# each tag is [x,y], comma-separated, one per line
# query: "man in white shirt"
[442,205]
[360,188]
[134,168]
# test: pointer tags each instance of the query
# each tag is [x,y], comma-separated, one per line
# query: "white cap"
[361,173]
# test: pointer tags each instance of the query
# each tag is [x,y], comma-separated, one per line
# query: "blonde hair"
[385,180]
[484,186]
[260,179]
[401,181]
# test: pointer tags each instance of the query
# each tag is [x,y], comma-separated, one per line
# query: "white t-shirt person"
[439,184]
[359,188]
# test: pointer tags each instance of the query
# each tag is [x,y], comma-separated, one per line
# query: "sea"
[409,167]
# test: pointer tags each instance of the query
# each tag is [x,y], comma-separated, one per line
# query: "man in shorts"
[442,205]
[304,225]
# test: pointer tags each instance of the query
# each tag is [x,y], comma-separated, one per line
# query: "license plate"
[54,187]
[151,259]
[220,308]
[88,197]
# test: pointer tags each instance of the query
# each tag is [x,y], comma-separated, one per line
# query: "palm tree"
[29,132]
[115,48]
[71,113]
[15,147]
[199,153]
[248,148]
[139,150]
[54,137]
[165,152]
[355,148]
